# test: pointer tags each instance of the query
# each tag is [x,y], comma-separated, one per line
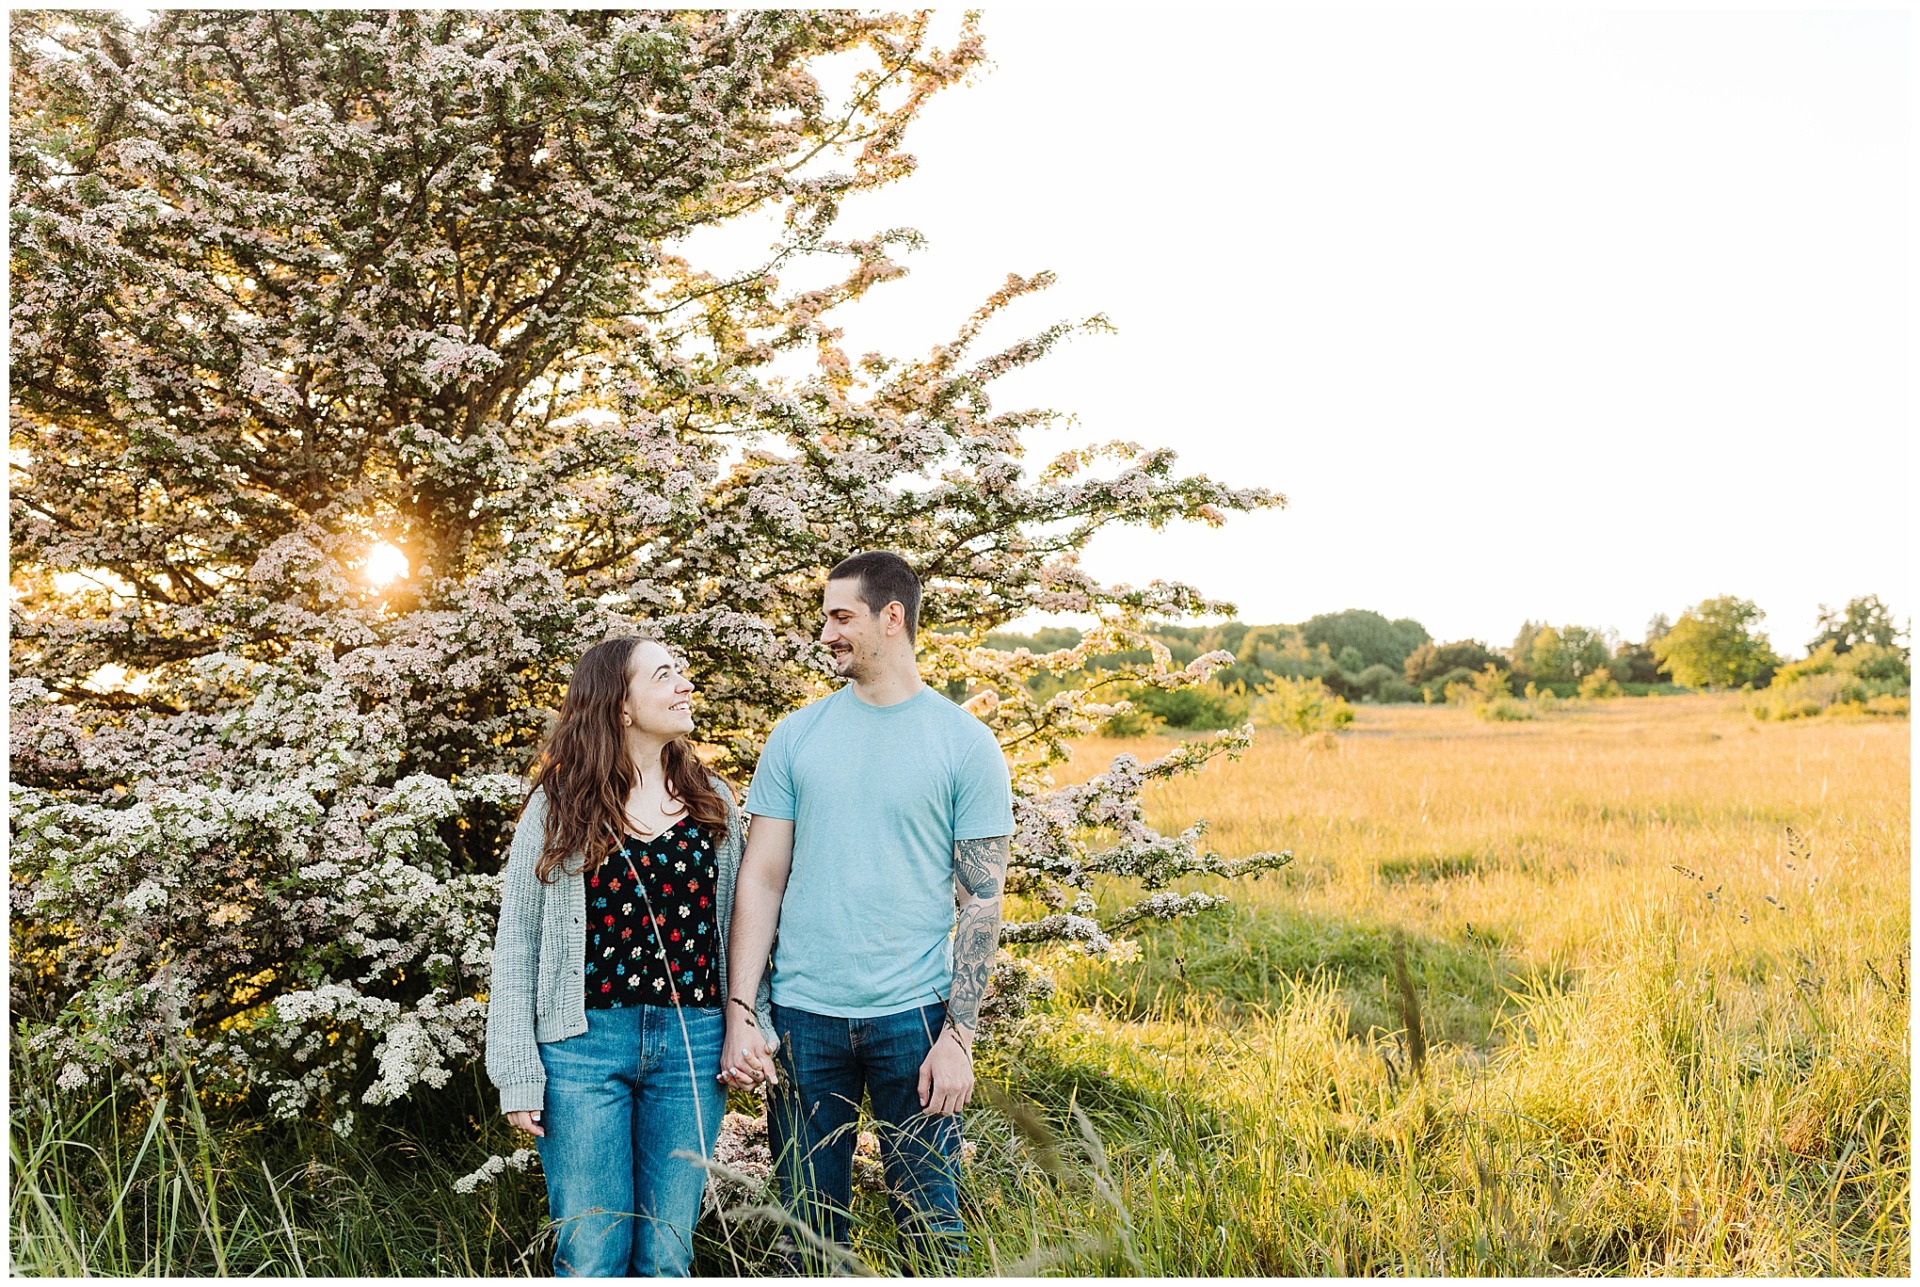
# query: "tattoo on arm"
[979,871]
[980,866]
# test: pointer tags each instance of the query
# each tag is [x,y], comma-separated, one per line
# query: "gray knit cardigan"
[538,993]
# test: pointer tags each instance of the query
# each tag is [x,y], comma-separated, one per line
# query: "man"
[878,814]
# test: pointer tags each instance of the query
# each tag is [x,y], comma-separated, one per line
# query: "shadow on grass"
[1247,958]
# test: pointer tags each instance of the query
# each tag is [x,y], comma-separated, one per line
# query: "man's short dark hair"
[884,578]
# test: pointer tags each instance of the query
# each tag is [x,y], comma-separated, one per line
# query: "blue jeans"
[825,1065]
[622,1097]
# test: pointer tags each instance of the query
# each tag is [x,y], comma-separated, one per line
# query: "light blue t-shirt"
[877,796]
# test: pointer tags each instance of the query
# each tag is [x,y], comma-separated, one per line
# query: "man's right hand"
[526,1121]
[745,1060]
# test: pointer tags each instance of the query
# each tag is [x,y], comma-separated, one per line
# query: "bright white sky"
[1578,317]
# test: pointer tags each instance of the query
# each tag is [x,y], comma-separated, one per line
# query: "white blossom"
[519,1160]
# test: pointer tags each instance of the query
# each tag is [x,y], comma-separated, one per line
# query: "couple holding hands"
[637,972]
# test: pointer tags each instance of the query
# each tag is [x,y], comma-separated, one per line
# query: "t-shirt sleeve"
[983,793]
[770,793]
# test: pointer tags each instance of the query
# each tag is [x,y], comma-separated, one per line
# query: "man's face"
[850,629]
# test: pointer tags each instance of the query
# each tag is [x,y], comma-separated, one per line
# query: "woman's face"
[659,697]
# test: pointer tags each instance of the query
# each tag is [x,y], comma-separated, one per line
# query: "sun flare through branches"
[384,565]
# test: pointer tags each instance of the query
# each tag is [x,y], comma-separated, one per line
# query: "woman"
[604,1023]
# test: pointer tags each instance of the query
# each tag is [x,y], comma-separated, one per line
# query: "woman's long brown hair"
[587,774]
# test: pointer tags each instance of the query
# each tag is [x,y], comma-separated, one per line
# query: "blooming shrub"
[1867,679]
[291,285]
[1490,696]
[1600,685]
[1302,707]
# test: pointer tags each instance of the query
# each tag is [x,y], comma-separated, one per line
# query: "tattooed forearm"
[979,872]
[980,866]
[974,941]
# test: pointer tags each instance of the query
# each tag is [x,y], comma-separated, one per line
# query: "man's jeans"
[621,1098]
[825,1064]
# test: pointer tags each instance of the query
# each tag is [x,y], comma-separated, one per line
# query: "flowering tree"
[288,286]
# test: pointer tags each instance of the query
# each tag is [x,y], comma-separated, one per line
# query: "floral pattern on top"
[655,943]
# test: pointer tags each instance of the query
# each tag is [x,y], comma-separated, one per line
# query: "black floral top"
[655,943]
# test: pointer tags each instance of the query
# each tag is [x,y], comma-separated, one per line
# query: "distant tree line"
[1362,656]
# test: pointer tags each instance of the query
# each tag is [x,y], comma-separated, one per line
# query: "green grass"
[146,1184]
[1622,1076]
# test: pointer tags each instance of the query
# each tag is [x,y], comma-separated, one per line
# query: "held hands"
[946,1078]
[527,1121]
[745,1060]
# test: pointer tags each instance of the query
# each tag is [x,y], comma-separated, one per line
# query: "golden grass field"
[1660,951]
[1555,835]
